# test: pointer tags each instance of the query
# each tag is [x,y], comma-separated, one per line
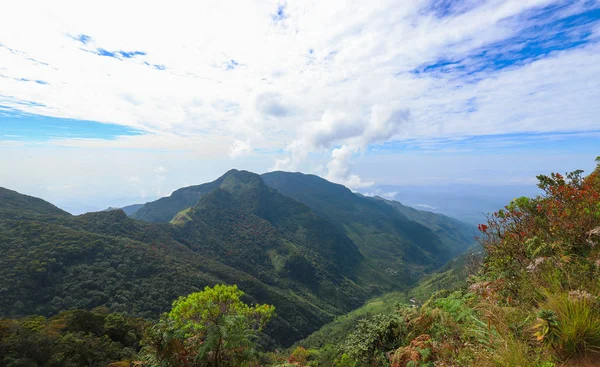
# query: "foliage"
[194,312]
[54,261]
[533,302]
[571,325]
[13,201]
[417,353]
[72,338]
[212,328]
[299,356]
[402,245]
[372,338]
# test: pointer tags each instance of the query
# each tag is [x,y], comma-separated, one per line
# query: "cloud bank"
[301,82]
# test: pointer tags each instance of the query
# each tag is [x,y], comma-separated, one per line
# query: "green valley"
[335,277]
[237,230]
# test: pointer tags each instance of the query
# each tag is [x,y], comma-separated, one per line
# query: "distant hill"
[451,231]
[392,242]
[383,232]
[53,261]
[12,200]
[269,226]
[312,248]
[129,209]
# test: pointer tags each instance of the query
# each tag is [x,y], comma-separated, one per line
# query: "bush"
[575,331]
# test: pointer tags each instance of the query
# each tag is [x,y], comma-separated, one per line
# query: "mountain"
[274,248]
[311,248]
[12,200]
[270,227]
[164,209]
[398,240]
[451,231]
[393,243]
[254,228]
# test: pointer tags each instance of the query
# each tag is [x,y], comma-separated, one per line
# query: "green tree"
[212,328]
[372,338]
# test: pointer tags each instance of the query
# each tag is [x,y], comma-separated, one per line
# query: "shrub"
[574,329]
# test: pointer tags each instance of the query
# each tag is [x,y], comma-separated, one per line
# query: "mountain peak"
[165,209]
[239,181]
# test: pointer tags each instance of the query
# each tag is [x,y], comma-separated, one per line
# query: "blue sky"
[37,128]
[415,92]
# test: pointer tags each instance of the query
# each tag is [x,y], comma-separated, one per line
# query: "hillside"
[54,261]
[13,201]
[312,265]
[453,276]
[271,229]
[129,209]
[533,300]
[164,209]
[396,248]
[451,231]
[251,227]
[382,232]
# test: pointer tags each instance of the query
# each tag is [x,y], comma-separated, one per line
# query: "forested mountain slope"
[129,209]
[455,234]
[394,245]
[382,233]
[533,299]
[250,224]
[164,209]
[312,260]
[53,261]
[12,200]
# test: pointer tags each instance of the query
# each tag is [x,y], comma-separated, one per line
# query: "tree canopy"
[212,328]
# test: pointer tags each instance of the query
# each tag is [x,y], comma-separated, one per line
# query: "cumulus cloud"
[239,148]
[389,195]
[284,78]
[338,169]
[354,131]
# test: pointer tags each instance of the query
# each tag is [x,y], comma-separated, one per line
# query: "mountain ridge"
[333,202]
[238,230]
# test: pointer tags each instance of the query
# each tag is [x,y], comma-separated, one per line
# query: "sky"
[110,103]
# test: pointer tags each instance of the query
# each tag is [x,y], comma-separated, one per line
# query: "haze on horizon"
[115,103]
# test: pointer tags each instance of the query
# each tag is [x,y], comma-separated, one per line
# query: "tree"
[212,328]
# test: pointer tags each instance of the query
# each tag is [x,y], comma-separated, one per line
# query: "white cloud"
[338,169]
[239,148]
[425,206]
[214,83]
[389,195]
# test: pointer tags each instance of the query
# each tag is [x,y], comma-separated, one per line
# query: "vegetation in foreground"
[235,230]
[534,301]
[71,339]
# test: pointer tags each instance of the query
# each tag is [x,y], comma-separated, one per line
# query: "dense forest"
[255,264]
[238,231]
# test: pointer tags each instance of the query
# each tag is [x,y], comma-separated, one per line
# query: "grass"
[578,323]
